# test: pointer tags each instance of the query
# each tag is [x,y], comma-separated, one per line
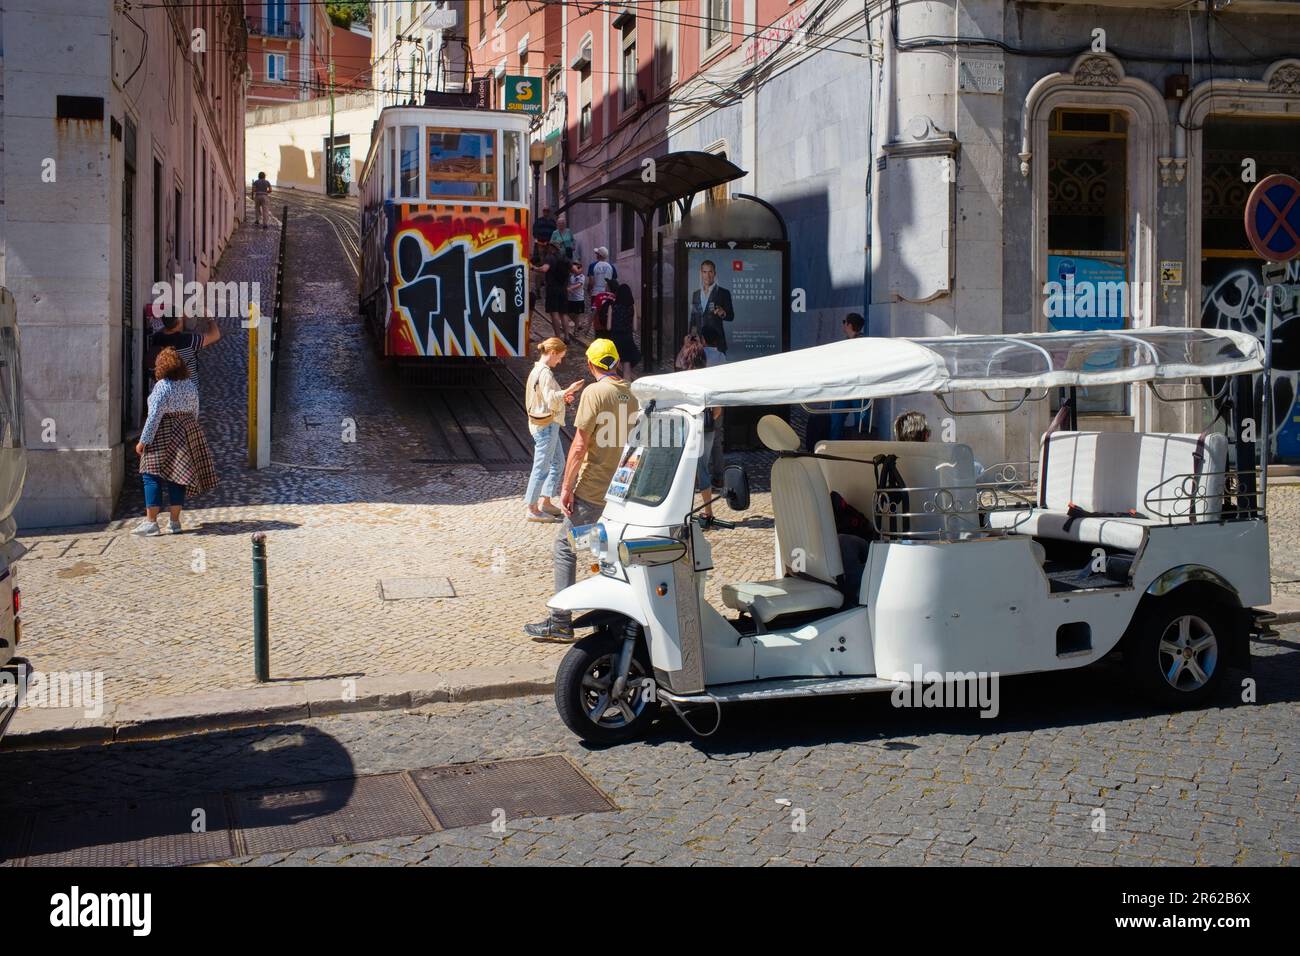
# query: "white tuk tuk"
[1151,544]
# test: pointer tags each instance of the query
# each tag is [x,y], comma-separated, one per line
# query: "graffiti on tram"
[458,280]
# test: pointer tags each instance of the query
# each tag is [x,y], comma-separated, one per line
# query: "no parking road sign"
[1273,218]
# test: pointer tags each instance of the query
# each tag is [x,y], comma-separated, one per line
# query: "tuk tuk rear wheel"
[1175,652]
[582,691]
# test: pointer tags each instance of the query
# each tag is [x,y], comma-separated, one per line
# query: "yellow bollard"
[252,384]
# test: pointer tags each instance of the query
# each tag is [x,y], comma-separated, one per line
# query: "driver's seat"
[805,535]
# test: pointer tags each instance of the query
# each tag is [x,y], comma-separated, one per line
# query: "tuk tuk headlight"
[592,537]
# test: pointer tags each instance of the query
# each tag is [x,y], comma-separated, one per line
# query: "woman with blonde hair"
[544,401]
[172,448]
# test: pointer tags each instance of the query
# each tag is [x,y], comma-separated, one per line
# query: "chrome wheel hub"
[1188,653]
[598,701]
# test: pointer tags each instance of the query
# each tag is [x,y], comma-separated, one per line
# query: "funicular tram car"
[445,234]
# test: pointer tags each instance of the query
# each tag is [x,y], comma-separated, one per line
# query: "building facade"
[288,50]
[944,167]
[417,47]
[289,142]
[122,166]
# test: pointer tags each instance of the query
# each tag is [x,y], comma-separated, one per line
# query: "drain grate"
[469,794]
[145,833]
[354,810]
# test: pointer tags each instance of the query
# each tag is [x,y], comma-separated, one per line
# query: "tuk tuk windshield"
[645,473]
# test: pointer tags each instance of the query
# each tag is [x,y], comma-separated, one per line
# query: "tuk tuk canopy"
[865,368]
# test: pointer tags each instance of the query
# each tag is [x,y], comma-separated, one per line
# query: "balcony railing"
[259,26]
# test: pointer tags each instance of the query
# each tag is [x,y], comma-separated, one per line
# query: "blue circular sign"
[1273,218]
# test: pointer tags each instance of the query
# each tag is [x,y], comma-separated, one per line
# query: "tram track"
[340,216]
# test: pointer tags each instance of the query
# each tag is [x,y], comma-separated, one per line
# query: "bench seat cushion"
[1125,534]
[768,600]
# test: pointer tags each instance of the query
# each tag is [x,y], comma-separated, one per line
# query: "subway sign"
[522,94]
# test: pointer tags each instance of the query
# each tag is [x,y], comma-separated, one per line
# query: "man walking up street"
[607,412]
[262,197]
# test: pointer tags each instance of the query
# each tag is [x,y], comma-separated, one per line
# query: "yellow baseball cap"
[602,353]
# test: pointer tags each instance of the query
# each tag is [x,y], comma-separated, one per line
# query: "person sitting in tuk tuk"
[911,426]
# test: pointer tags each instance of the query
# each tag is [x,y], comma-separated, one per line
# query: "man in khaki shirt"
[607,412]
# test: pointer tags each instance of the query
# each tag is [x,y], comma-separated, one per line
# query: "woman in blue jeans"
[545,402]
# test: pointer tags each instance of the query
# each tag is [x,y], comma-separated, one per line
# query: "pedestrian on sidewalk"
[563,237]
[606,415]
[187,344]
[262,197]
[601,274]
[555,281]
[622,331]
[543,227]
[172,448]
[545,406]
[577,295]
[848,424]
[694,355]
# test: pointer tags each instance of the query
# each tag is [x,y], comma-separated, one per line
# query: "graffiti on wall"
[1233,298]
[458,280]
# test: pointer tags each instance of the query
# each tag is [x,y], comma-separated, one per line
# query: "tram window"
[462,163]
[390,148]
[513,150]
[410,168]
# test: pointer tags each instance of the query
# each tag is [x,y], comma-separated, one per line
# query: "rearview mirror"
[736,483]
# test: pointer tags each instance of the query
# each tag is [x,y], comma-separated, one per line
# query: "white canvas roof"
[865,368]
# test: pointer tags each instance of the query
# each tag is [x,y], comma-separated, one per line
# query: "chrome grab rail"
[1012,476]
[1183,498]
[961,510]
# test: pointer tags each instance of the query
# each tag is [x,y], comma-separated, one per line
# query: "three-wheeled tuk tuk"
[1153,544]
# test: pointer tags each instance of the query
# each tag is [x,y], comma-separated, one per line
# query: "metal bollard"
[261,614]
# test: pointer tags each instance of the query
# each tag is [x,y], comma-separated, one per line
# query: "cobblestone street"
[875,785]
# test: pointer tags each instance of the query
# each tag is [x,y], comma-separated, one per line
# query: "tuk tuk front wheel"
[584,686]
[1175,653]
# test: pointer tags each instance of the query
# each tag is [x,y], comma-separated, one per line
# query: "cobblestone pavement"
[172,615]
[875,785]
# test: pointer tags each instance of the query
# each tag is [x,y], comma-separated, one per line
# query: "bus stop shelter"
[646,188]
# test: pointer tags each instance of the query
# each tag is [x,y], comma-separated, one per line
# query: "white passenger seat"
[1110,474]
[805,530]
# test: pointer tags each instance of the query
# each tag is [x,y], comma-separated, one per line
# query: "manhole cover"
[469,794]
[152,833]
[406,589]
[326,814]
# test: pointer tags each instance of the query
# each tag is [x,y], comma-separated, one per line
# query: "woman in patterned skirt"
[172,448]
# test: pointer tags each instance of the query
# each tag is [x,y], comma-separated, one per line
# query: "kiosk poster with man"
[738,291]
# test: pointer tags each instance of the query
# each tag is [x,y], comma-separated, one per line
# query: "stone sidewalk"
[168,620]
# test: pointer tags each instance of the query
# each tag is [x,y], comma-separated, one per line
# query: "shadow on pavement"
[1027,703]
[149,791]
